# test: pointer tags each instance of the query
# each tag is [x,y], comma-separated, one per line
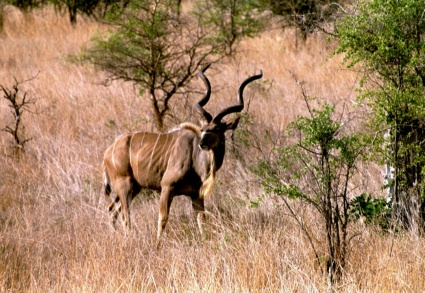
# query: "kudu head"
[212,132]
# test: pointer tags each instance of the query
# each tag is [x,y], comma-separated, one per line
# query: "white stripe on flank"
[165,143]
[153,152]
[169,157]
[137,158]
[169,147]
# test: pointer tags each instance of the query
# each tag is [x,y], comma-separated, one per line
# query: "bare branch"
[19,104]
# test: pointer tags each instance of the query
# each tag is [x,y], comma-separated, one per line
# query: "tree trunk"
[73,14]
[158,117]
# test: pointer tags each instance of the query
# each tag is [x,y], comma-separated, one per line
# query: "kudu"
[180,162]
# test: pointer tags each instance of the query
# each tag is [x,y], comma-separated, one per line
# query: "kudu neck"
[219,152]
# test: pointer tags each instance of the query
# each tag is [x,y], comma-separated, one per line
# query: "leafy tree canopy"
[386,39]
[155,47]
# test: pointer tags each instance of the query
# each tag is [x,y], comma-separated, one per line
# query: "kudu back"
[181,162]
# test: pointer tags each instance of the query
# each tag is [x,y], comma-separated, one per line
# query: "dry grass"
[54,234]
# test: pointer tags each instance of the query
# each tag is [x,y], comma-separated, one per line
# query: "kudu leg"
[124,189]
[114,208]
[199,209]
[164,209]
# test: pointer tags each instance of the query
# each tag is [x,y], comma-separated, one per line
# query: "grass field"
[54,231]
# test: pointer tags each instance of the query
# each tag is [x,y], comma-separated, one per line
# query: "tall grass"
[54,232]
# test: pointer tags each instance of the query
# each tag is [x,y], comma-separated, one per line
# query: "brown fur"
[170,162]
[207,185]
[188,125]
[181,162]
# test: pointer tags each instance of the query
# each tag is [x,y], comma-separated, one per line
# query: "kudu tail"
[106,185]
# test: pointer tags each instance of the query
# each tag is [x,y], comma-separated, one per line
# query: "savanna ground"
[54,232]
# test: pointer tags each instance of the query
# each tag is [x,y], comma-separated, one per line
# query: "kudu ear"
[232,124]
